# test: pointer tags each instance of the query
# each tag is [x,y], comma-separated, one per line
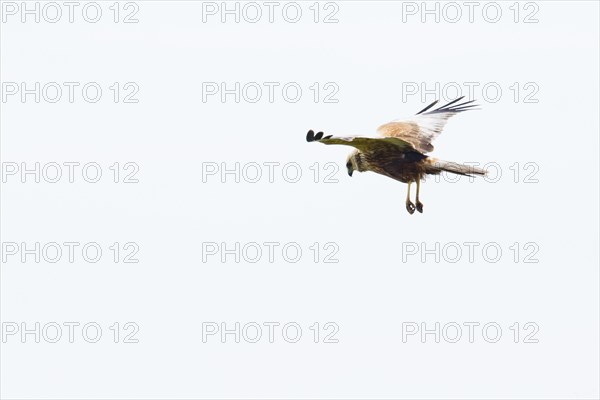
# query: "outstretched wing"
[364,144]
[422,129]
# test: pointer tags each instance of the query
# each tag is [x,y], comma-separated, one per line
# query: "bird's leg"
[410,207]
[419,204]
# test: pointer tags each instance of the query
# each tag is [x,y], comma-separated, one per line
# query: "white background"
[370,53]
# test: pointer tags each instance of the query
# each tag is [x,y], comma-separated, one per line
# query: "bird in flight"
[399,151]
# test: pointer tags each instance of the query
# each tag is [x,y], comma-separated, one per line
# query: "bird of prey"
[399,151]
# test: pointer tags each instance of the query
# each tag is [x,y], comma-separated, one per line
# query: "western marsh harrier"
[399,151]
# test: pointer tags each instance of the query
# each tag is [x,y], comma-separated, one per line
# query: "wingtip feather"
[428,107]
[452,102]
[452,107]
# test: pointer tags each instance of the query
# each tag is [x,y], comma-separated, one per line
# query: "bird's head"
[355,162]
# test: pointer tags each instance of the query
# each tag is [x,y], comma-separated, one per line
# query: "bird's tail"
[436,166]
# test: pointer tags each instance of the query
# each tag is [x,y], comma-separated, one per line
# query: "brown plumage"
[399,151]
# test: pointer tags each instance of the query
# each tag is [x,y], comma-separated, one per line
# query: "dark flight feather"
[428,107]
[450,108]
